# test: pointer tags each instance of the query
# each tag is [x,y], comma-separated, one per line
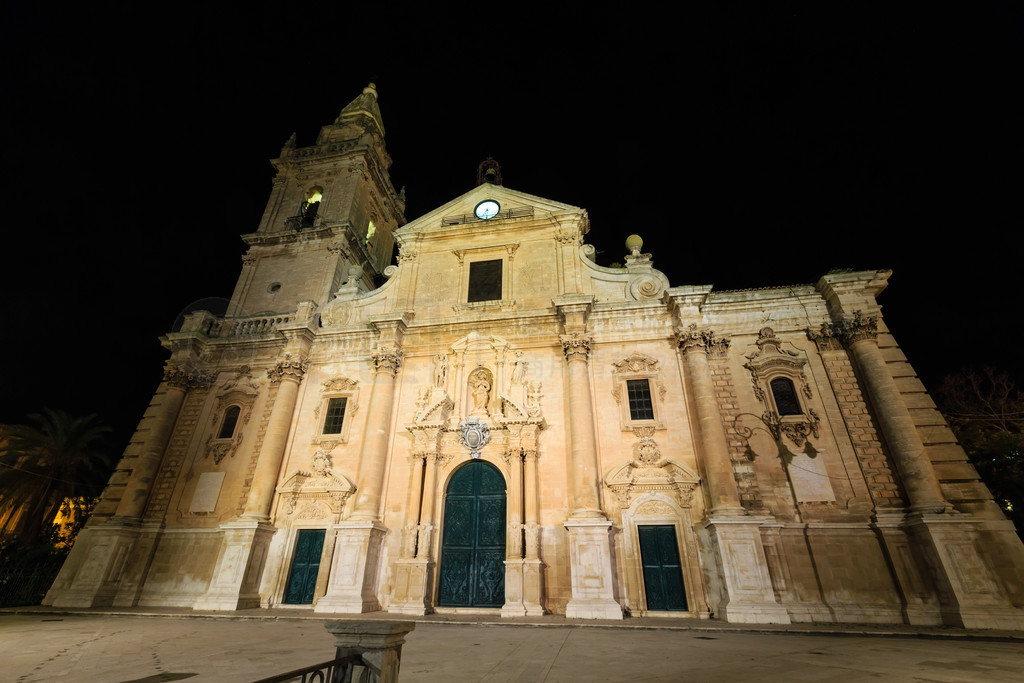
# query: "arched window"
[227,428]
[784,393]
[311,206]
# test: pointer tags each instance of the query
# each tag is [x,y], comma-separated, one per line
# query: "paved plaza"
[89,645]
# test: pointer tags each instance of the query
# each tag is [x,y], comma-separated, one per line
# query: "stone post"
[378,642]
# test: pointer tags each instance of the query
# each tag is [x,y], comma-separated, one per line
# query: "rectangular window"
[485,281]
[335,415]
[639,393]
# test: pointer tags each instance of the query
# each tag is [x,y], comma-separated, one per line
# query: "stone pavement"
[150,645]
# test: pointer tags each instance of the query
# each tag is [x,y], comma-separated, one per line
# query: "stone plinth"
[236,580]
[352,587]
[590,554]
[412,580]
[747,596]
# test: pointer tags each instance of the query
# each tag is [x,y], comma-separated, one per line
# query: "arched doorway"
[473,546]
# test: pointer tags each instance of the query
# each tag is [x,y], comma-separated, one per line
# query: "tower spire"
[363,107]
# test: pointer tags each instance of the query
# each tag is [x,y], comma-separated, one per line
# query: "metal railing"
[349,669]
[367,652]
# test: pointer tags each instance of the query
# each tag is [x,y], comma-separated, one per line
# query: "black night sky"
[750,145]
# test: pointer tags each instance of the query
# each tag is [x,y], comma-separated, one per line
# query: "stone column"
[719,479]
[287,374]
[590,541]
[860,336]
[140,484]
[239,571]
[413,571]
[745,593]
[359,541]
[533,568]
[513,606]
[109,560]
[373,457]
[584,477]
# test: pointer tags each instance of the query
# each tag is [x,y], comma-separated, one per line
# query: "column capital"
[291,368]
[387,358]
[187,378]
[847,330]
[692,339]
[576,346]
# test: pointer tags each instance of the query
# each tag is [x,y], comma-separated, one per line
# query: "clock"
[487,209]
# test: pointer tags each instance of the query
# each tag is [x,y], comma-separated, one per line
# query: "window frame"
[340,387]
[638,366]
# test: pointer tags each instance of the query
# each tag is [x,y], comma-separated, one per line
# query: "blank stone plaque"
[207,492]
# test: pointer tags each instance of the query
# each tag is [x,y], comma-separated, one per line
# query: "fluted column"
[140,484]
[288,375]
[585,501]
[860,336]
[387,358]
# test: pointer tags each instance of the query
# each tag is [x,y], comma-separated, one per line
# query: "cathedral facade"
[497,423]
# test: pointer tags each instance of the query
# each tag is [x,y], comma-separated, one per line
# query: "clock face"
[487,209]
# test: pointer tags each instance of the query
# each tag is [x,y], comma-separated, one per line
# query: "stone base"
[352,587]
[590,556]
[969,591]
[747,595]
[236,580]
[412,580]
[91,574]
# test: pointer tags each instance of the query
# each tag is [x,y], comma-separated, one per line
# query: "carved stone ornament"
[576,346]
[321,463]
[648,472]
[474,435]
[636,362]
[847,331]
[292,368]
[692,338]
[387,359]
[187,378]
[302,490]
[337,313]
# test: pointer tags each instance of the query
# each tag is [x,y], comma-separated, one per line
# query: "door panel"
[663,573]
[305,567]
[473,547]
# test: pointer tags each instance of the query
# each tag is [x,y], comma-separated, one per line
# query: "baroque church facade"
[498,423]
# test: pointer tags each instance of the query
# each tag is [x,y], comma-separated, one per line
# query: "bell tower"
[332,206]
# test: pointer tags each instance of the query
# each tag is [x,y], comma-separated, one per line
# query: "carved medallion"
[474,435]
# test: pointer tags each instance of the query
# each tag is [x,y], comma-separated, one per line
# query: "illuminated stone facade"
[498,423]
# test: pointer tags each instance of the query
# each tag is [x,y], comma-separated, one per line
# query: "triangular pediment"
[459,212]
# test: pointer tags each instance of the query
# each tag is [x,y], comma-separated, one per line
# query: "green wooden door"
[305,567]
[473,545]
[663,574]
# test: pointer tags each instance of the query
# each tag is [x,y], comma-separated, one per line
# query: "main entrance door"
[473,545]
[663,574]
[305,567]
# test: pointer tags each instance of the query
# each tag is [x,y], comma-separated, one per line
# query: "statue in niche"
[440,370]
[518,369]
[480,390]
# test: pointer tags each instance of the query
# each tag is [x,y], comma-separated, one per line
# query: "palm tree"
[59,462]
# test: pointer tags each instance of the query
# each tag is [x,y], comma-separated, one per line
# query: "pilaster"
[352,587]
